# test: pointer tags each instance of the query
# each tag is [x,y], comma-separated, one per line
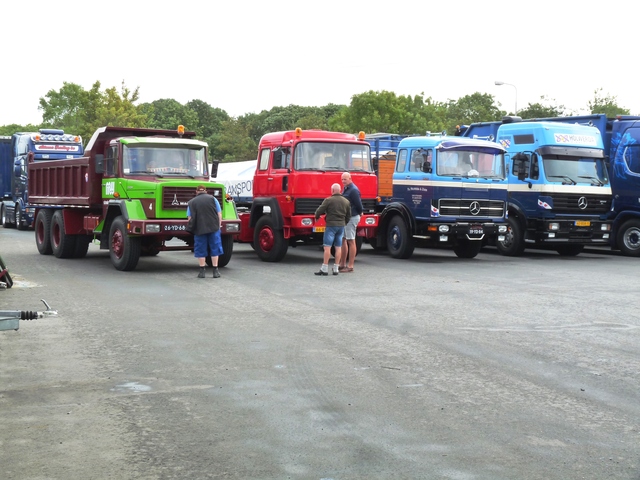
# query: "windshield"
[470,163]
[160,160]
[571,170]
[332,156]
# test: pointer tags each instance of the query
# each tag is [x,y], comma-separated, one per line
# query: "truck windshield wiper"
[594,180]
[567,180]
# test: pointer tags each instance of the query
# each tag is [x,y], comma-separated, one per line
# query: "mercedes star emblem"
[582,203]
[474,208]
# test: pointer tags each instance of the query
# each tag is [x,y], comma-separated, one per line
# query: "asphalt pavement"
[433,367]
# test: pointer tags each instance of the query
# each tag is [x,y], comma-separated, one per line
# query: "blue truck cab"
[447,192]
[559,194]
[46,144]
[621,137]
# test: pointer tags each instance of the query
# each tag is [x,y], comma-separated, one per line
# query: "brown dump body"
[70,182]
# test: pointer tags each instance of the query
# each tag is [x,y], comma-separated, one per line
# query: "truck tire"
[513,243]
[62,245]
[467,248]
[629,238]
[3,217]
[569,250]
[269,242]
[227,246]
[123,249]
[19,220]
[399,242]
[42,227]
[82,246]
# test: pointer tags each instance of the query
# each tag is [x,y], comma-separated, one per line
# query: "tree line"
[81,112]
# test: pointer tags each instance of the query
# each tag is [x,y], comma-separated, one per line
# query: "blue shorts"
[333,236]
[207,245]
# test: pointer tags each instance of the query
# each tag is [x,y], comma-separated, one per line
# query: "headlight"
[605,226]
[370,221]
[554,226]
[502,229]
[232,227]
[152,228]
[443,228]
[307,222]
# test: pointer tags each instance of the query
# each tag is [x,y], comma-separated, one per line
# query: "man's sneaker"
[335,270]
[321,273]
[201,274]
[216,273]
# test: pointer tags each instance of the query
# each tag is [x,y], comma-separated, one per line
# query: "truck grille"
[451,207]
[177,198]
[308,206]
[585,204]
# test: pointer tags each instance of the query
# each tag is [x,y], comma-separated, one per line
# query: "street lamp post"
[498,82]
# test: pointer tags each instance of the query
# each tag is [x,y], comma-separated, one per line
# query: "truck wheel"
[18,218]
[42,227]
[629,238]
[227,246]
[569,250]
[123,249]
[399,242]
[62,245]
[269,242]
[82,246]
[467,248]
[513,243]
[3,217]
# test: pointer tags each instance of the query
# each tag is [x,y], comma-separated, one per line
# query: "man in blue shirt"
[205,219]
[351,193]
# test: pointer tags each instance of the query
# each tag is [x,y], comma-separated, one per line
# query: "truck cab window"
[402,160]
[264,159]
[631,157]
[110,161]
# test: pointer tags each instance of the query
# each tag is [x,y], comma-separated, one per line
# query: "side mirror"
[99,163]
[520,164]
[214,168]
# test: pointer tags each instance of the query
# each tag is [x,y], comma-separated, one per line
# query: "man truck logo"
[175,200]
[582,203]
[474,208]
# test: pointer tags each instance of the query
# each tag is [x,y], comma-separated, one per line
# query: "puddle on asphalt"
[131,387]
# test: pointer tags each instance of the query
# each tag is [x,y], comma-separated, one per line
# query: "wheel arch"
[257,211]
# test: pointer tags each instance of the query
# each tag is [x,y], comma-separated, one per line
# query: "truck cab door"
[412,180]
[625,178]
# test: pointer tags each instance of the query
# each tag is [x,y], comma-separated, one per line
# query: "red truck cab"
[294,174]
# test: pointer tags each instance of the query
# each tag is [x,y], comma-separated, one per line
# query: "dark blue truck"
[445,192]
[47,144]
[559,194]
[621,139]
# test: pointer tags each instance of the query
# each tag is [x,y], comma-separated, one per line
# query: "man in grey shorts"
[351,193]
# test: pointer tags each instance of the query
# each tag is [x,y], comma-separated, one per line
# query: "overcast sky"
[249,56]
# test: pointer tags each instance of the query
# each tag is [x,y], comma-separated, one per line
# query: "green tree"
[9,130]
[606,104]
[81,112]
[210,119]
[543,109]
[477,107]
[233,143]
[118,109]
[168,113]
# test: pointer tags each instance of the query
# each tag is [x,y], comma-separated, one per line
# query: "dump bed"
[71,182]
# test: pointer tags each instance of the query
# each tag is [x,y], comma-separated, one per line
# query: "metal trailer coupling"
[10,319]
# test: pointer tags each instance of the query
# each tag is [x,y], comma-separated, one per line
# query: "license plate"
[318,229]
[476,230]
[583,223]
